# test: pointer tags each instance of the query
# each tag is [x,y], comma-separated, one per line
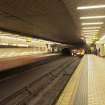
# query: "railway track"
[39,85]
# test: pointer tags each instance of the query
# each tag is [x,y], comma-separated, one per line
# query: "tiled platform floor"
[87,85]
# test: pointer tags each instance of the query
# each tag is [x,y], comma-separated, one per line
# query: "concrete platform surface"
[87,85]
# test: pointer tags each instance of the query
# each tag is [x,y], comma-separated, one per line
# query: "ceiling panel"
[57,20]
[48,19]
[73,4]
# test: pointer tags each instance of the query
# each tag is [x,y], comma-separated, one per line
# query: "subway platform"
[87,84]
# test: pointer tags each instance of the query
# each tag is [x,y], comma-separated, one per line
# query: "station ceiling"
[56,20]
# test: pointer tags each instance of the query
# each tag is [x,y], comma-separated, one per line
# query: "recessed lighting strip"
[92,17]
[93,23]
[90,7]
[86,28]
[90,30]
[89,33]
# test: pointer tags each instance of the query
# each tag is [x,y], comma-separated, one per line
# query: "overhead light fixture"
[90,33]
[87,31]
[90,36]
[86,28]
[93,23]
[92,17]
[90,7]
[90,30]
[94,33]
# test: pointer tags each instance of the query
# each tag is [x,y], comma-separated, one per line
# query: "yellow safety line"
[68,95]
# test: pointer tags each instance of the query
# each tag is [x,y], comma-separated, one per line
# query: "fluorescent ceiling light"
[93,17]
[90,30]
[85,28]
[90,7]
[90,36]
[88,33]
[93,23]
